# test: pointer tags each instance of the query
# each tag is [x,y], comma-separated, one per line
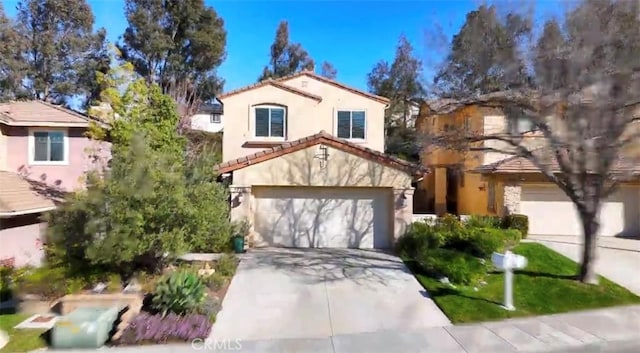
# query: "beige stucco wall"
[305,116]
[304,167]
[341,169]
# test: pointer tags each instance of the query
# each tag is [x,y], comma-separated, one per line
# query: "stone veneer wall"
[512,195]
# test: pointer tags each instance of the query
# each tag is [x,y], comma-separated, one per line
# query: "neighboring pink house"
[43,154]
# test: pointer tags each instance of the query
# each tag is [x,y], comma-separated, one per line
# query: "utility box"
[84,327]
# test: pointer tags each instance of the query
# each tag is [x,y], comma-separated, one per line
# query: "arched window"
[270,120]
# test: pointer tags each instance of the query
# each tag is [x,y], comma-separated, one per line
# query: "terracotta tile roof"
[273,83]
[521,165]
[329,140]
[39,113]
[22,196]
[336,84]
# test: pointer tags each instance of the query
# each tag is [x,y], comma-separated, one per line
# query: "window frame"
[32,146]
[215,118]
[351,110]
[284,122]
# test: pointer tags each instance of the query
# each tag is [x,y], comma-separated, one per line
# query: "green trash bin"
[238,244]
[84,328]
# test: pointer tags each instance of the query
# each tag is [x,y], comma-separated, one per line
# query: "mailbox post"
[507,262]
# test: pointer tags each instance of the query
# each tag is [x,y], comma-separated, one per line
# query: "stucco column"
[440,201]
[403,211]
[241,201]
[512,194]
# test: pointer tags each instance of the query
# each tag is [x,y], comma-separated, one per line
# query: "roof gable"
[322,138]
[334,83]
[273,83]
[40,113]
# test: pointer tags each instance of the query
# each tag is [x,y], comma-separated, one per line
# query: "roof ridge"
[273,82]
[305,142]
[335,83]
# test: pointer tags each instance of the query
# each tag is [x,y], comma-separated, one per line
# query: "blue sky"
[351,34]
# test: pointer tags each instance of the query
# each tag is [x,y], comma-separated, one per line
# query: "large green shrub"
[181,292]
[517,221]
[152,203]
[477,221]
[6,272]
[419,237]
[458,267]
[46,282]
[478,242]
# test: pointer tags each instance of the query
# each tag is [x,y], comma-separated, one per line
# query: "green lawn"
[545,286]
[20,340]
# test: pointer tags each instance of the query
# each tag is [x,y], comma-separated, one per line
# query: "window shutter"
[56,146]
[262,122]
[277,122]
[344,124]
[357,124]
[40,146]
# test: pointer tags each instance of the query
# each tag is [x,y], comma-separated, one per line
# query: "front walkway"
[594,331]
[618,259]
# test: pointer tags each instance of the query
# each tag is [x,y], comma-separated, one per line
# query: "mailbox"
[508,260]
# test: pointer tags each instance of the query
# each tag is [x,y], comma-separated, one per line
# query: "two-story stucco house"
[485,182]
[305,163]
[43,154]
[209,117]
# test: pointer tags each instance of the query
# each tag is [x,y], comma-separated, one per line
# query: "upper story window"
[48,147]
[351,124]
[270,121]
[215,119]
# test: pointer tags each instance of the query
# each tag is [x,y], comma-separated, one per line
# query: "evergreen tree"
[286,58]
[177,44]
[484,55]
[12,68]
[401,83]
[328,70]
[59,43]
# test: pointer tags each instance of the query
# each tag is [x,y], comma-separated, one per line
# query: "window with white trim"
[351,124]
[214,118]
[270,121]
[48,147]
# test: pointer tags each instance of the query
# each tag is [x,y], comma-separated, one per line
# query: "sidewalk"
[617,259]
[551,333]
[627,244]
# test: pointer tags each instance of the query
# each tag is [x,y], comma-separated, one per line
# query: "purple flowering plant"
[148,328]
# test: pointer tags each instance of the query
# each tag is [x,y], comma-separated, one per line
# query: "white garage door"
[552,213]
[322,217]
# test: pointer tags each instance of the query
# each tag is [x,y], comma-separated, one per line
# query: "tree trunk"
[587,266]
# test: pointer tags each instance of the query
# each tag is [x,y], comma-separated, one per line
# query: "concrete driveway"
[618,259]
[319,293]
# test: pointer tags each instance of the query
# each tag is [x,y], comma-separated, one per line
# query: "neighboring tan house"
[43,154]
[209,117]
[305,164]
[492,183]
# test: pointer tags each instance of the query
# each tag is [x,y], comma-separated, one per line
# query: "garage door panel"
[551,212]
[322,217]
